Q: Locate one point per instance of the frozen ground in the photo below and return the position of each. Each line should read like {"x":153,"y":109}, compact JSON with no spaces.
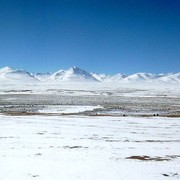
{"x":90,"y":105}
{"x":86,"y":148}
{"x":116,"y":98}
{"x":67,"y":109}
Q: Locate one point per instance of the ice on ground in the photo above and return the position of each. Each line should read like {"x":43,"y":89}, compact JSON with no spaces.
{"x":68,"y":109}
{"x":86,"y":148}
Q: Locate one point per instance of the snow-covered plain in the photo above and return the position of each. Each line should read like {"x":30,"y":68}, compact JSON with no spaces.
{"x":86,"y":148}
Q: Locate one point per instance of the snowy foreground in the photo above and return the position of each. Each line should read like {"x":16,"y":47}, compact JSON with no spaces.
{"x":87,"y":148}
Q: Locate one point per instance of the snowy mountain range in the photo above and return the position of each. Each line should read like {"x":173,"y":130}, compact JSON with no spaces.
{"x":75,"y":74}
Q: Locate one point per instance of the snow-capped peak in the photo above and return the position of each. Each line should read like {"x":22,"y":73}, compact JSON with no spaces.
{"x":6,"y":69}
{"x":11,"y":74}
{"x":73,"y":74}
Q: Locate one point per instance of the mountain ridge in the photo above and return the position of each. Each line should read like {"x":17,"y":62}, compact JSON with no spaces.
{"x":76,"y":74}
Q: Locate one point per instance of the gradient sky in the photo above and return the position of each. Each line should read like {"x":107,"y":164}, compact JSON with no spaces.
{"x":107,"y":36}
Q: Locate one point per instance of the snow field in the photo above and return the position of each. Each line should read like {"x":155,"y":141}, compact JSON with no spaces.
{"x":70,"y":148}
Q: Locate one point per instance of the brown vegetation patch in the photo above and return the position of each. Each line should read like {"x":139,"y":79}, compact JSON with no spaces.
{"x":89,"y":113}
{"x":148,"y":158}
{"x":28,"y":114}
{"x":157,"y":141}
{"x":171,"y":175}
{"x":74,"y":147}
{"x":9,"y":137}
{"x":173,"y":156}
{"x":112,"y":140}
{"x":35,"y":176}
{"x":41,"y":132}
{"x":173,"y":115}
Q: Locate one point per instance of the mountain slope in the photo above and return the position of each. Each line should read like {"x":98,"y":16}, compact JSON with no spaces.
{"x":9,"y":74}
{"x":171,"y":78}
{"x":139,"y":77}
{"x":41,"y":76}
{"x":109,"y":78}
{"x":72,"y":74}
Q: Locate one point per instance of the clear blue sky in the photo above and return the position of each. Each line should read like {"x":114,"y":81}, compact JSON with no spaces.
{"x":108,"y":36}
